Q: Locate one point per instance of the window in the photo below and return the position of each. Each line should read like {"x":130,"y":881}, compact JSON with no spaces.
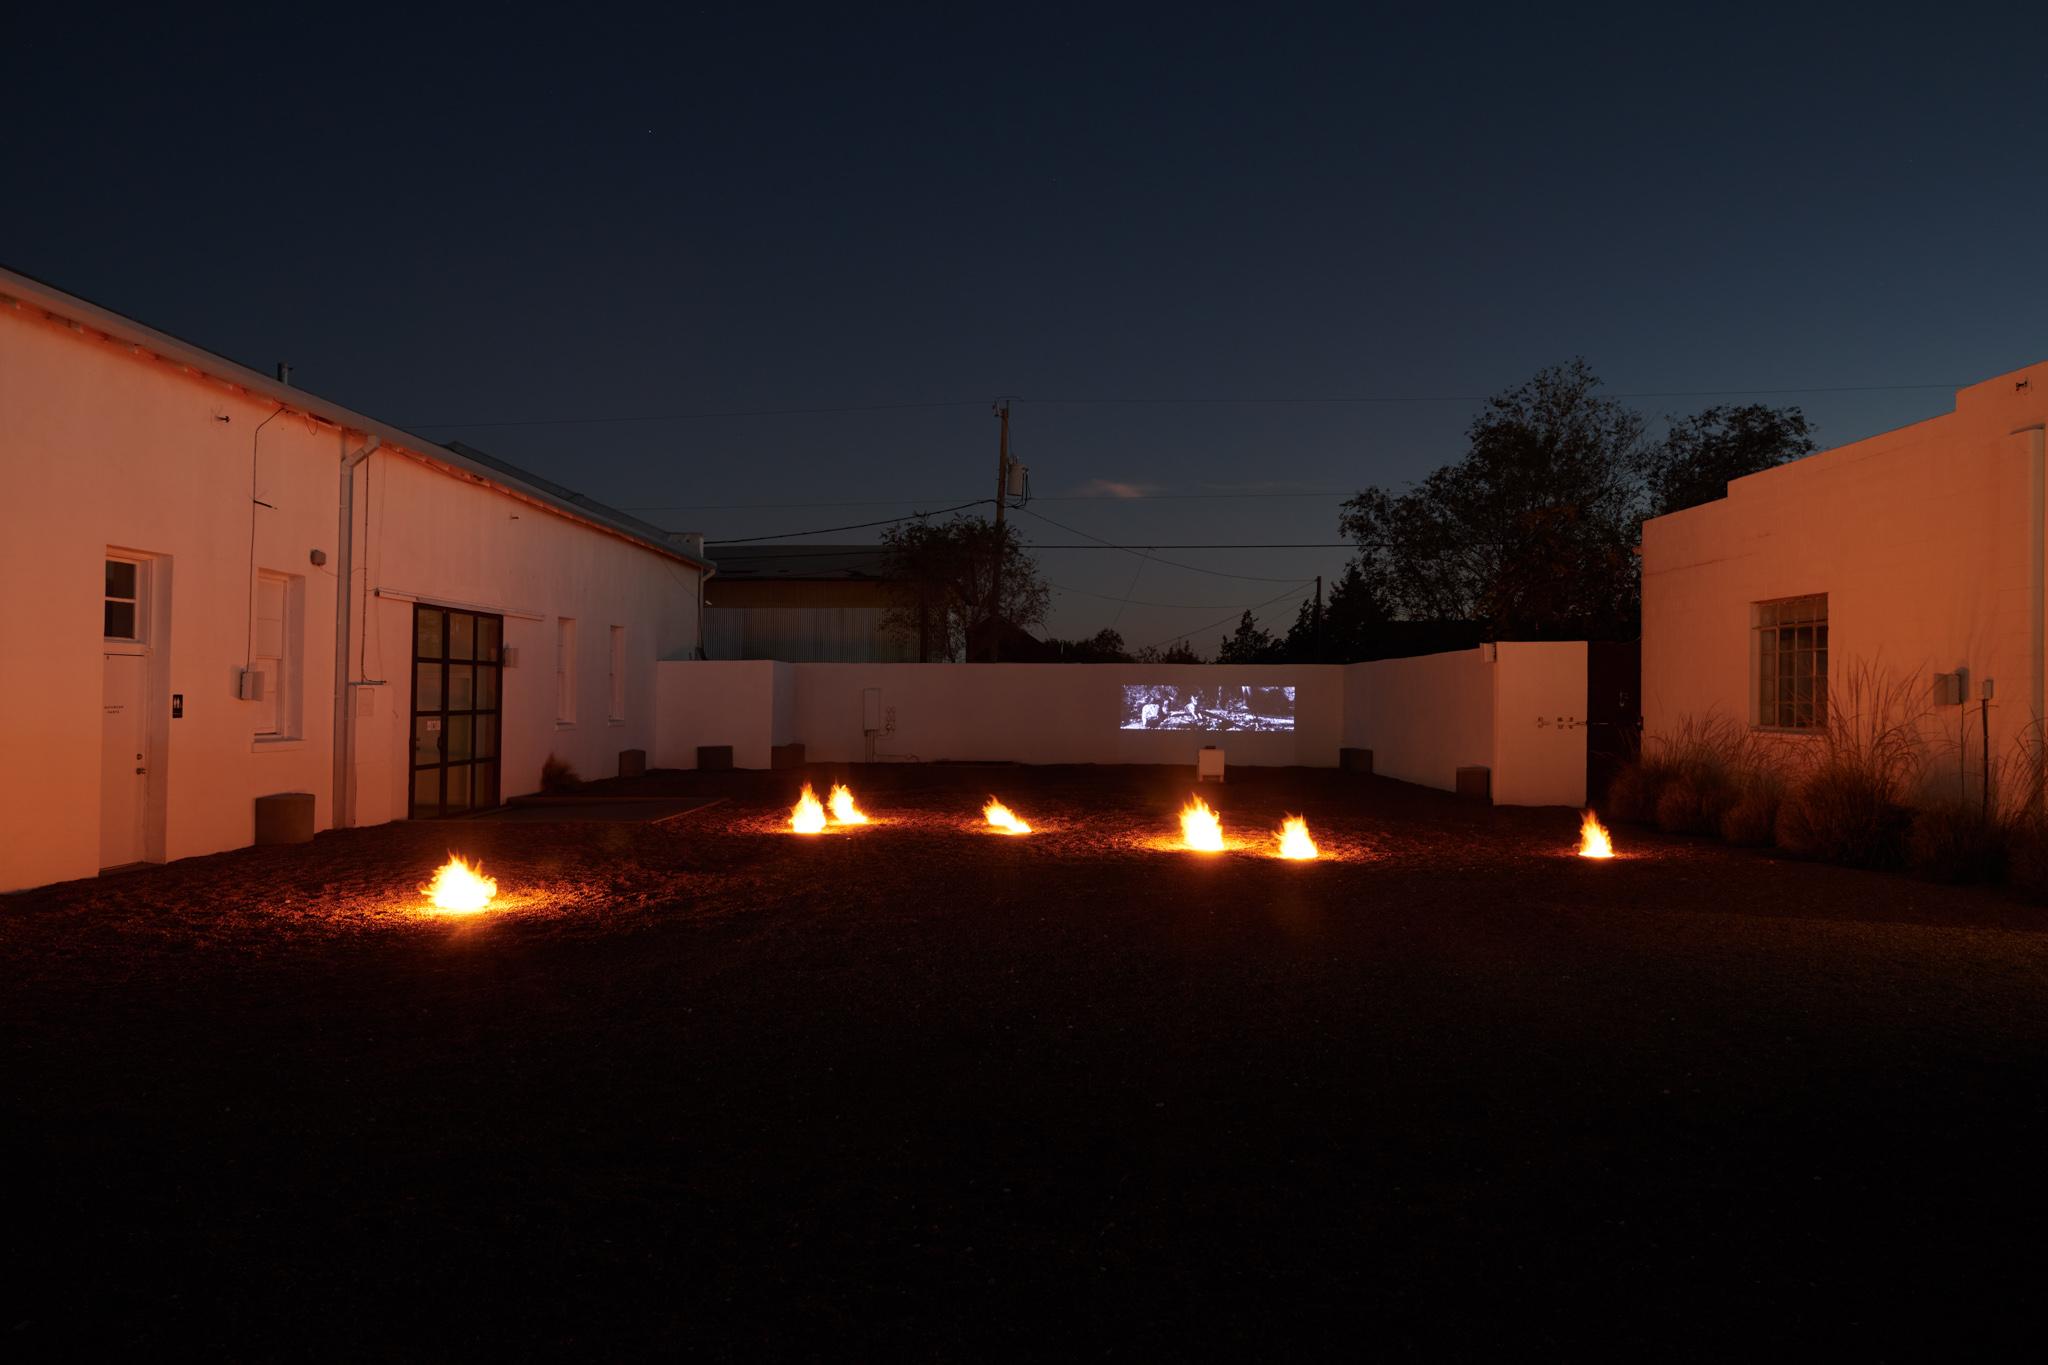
{"x":274,"y":655}
{"x":618,"y":672}
{"x":565,"y":671}
{"x":122,"y":610}
{"x":1791,"y":662}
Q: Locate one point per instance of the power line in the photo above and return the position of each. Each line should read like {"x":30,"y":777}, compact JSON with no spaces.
{"x":1207,"y":400}
{"x":1140,"y":602}
{"x":1226,"y":620}
{"x":852,"y":526}
{"x":1036,"y":497}
{"x":610,"y":418}
{"x":1194,"y":568}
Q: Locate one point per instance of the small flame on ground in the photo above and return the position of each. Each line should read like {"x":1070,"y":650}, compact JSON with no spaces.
{"x":1003,"y":818}
{"x":809,"y":816}
{"x":460,"y":888}
{"x":844,"y":811}
{"x":1593,"y":840}
{"x":1294,"y":839}
{"x":1199,"y":828}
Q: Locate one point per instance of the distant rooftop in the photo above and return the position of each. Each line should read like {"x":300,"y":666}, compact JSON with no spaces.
{"x":807,"y":562}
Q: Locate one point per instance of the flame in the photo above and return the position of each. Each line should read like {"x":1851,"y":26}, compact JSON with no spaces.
{"x":809,"y":816}
{"x":1294,"y":840}
{"x":1593,"y":840}
{"x":1003,"y":818}
{"x":1199,"y":827}
{"x":460,"y":888}
{"x":843,"y":809}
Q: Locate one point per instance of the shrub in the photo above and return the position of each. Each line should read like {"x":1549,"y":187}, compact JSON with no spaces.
{"x":1633,"y":792}
{"x":1752,"y":820}
{"x":556,"y":775}
{"x":1845,"y":813}
{"x":2026,"y":858}
{"x":1693,"y":800}
{"x":1952,"y":841}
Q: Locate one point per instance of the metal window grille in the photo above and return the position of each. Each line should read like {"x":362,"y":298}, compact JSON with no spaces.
{"x":1792,"y":663}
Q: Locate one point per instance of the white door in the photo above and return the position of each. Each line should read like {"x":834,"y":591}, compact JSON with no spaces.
{"x":124,"y":777}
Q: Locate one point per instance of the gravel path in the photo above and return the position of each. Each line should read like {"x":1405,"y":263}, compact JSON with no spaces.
{"x":923,"y":1090}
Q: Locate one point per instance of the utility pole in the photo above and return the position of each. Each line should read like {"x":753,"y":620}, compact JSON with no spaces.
{"x":1319,"y":618}
{"x":995,"y":577}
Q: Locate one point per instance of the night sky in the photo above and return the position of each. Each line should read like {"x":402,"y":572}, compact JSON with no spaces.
{"x":481,"y":230}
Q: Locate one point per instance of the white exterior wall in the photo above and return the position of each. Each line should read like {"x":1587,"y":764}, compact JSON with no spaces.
{"x":100,"y":448}
{"x":1922,"y":539}
{"x":1424,"y":717}
{"x":106,"y":446}
{"x":450,"y":541}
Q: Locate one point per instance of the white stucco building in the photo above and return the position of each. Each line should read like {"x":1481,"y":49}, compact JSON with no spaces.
{"x":1918,"y":553}
{"x":292,"y":597}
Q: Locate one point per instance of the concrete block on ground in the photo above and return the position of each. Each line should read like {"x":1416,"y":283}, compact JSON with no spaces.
{"x":1475,"y":784}
{"x":714,"y":757}
{"x":1355,"y":761}
{"x":632,"y":763}
{"x":284,"y":818}
{"x":786,"y":756}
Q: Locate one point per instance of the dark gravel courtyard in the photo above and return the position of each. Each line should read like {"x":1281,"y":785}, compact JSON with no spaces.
{"x":918,"y":1090}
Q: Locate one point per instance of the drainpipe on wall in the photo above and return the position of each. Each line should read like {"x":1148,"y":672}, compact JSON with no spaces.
{"x":344,"y":690}
{"x":2037,"y":599}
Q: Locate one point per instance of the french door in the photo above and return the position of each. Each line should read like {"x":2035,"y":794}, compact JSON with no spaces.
{"x":456,"y":702}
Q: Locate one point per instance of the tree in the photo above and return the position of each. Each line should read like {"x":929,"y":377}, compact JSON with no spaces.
{"x":1249,"y":644}
{"x":1105,"y":646}
{"x":1700,"y":455}
{"x":1175,"y":653}
{"x":1532,"y":532}
{"x":1353,"y":625}
{"x":941,"y":572}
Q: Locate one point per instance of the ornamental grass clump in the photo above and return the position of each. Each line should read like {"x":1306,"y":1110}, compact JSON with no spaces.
{"x":1848,"y":802}
{"x":1953,"y":841}
{"x":1701,"y":761}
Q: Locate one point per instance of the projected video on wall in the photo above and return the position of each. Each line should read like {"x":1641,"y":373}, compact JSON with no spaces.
{"x":1229,"y":706}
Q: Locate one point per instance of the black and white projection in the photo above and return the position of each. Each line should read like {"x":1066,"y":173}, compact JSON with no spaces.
{"x":1216,"y":706}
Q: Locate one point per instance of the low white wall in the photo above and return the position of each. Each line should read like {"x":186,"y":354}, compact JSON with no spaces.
{"x":738,"y":702}
{"x":1424,"y":718}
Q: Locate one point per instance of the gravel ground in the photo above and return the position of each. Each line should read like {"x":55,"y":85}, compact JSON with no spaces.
{"x":919,"y":1090}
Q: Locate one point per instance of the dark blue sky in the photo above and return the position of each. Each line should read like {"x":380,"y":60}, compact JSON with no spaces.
{"x":461,"y":224}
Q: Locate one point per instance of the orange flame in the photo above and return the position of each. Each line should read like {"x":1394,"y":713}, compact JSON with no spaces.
{"x":460,"y":888}
{"x":843,"y":810}
{"x":1003,"y":818}
{"x":1199,"y":828}
{"x":1593,"y":840}
{"x":809,"y":816}
{"x":1294,"y":839}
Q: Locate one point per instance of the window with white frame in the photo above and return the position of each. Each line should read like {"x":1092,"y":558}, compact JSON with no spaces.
{"x":274,"y":655}
{"x":565,"y":671}
{"x":1791,"y":644}
{"x":121,"y":613}
{"x":618,"y":661}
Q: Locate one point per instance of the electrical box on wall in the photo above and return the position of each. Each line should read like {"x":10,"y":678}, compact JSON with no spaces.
{"x":249,"y":685}
{"x":1950,"y":689}
{"x":871,"y":710}
{"x":508,"y":656}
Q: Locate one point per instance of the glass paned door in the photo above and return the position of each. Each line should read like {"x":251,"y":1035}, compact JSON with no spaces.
{"x":455,"y":700}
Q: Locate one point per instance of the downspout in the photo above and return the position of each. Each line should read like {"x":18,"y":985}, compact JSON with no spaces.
{"x":2037,"y":602}
{"x":344,"y":690}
